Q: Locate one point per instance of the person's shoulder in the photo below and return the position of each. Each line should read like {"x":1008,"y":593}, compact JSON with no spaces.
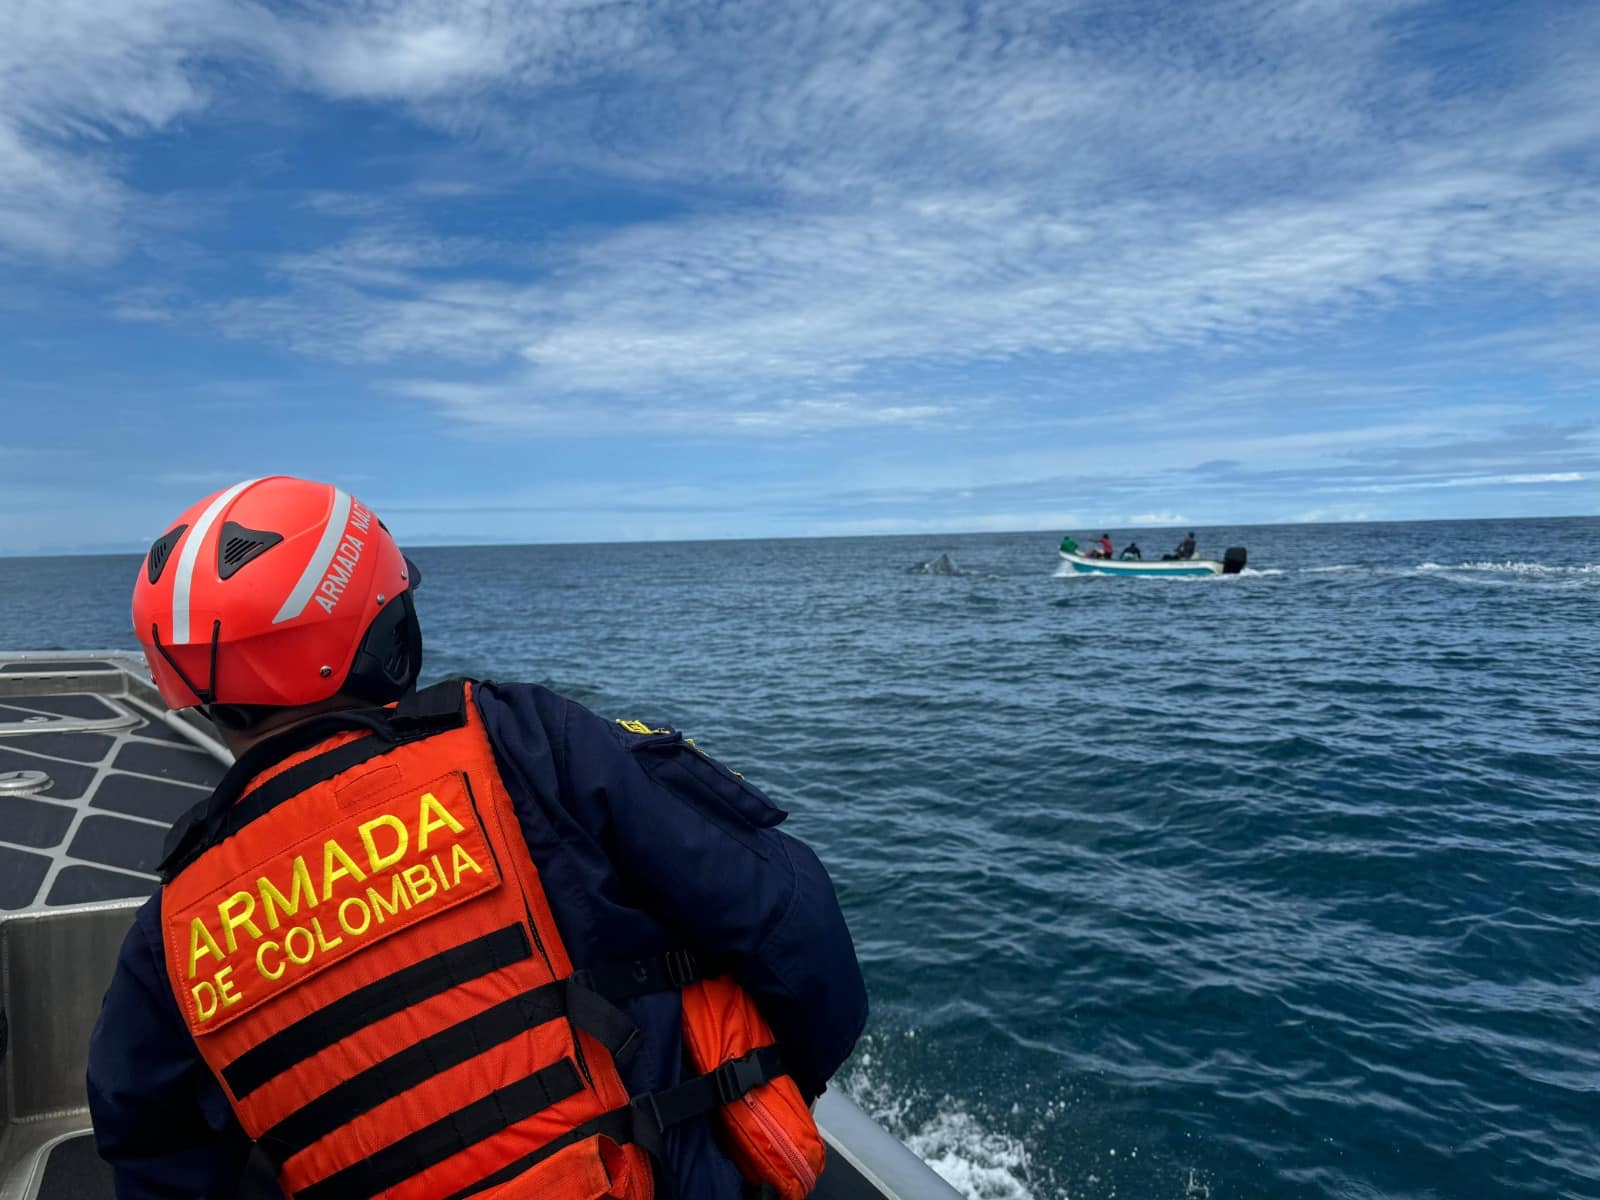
{"x":518,"y":695}
{"x":558,"y":713}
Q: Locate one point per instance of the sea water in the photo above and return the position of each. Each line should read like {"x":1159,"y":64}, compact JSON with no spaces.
{"x":1283,"y":885}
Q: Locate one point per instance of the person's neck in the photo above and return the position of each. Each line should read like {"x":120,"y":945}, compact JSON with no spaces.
{"x":241,"y":740}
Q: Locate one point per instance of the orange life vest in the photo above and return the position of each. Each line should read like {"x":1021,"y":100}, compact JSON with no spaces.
{"x":361,"y":946}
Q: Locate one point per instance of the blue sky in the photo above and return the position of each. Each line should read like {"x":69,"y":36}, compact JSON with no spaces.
{"x":573,"y":270}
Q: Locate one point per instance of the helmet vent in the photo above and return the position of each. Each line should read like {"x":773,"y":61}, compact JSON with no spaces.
{"x":156,"y":560}
{"x":238,"y":546}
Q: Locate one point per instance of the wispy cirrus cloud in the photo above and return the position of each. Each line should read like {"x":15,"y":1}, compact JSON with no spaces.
{"x":1035,"y":181}
{"x":1333,"y":243}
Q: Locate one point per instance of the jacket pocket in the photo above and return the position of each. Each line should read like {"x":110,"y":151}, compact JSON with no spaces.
{"x":737,"y":807}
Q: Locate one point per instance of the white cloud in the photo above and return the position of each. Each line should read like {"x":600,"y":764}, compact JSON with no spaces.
{"x":76,"y":76}
{"x":872,"y":186}
{"x":1467,"y":481}
{"x":967,"y":190}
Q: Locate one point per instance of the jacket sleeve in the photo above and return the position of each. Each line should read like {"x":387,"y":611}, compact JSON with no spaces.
{"x":160,"y":1119}
{"x":699,"y":849}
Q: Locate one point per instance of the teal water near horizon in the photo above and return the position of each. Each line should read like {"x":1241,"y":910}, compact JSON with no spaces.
{"x":1277,"y":886}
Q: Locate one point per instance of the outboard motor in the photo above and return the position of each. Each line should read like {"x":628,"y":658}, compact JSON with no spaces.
{"x":1233,"y":560}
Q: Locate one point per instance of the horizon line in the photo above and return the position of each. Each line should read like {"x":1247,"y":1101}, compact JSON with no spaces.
{"x":839,"y":537}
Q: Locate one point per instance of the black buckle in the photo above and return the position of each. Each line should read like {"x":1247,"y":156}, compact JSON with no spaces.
{"x":738,"y":1076}
{"x":682,"y":969}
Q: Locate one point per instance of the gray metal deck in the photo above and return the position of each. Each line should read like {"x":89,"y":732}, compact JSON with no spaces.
{"x":93,"y":770}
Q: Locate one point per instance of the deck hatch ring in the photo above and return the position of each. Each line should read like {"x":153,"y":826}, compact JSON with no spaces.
{"x":23,"y":783}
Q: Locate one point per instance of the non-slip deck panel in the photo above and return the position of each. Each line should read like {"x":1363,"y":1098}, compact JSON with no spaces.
{"x":189,"y":766}
{"x":46,"y":666}
{"x":74,"y":1171}
{"x":90,"y":885}
{"x":78,"y":747}
{"x":162,"y":732}
{"x":80,"y":707}
{"x":95,"y":830}
{"x":26,"y":821}
{"x":152,"y":799}
{"x":131,"y":845}
{"x":21,"y":874}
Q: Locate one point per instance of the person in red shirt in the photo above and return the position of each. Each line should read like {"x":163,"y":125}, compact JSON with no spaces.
{"x":1105,"y":545}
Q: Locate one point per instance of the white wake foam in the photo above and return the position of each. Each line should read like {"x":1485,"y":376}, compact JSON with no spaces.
{"x":1516,"y":568}
{"x":980,"y":1163}
{"x":977,"y":1162}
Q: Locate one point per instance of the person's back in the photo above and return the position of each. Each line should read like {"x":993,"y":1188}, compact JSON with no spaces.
{"x":1186,"y":547}
{"x":466,"y":938}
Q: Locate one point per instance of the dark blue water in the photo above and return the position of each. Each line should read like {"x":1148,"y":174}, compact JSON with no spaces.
{"x":1283,"y":886}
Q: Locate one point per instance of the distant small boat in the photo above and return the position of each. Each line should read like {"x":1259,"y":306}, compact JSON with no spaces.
{"x":1232,"y":563}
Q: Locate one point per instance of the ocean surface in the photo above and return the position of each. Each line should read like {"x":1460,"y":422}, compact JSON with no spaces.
{"x":1284,"y":885}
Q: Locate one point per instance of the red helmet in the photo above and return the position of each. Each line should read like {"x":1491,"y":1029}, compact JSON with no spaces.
{"x":278,"y":592}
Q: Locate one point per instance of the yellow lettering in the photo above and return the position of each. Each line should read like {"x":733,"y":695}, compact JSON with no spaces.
{"x":230,"y":921}
{"x":201,"y":942}
{"x":297,"y":958}
{"x":398,"y":898}
{"x":205,"y":999}
{"x":439,"y":871}
{"x":366,"y":916}
{"x":460,"y":858}
{"x":380,"y":861}
{"x":420,"y":880}
{"x":261,"y":961}
{"x":322,"y":939}
{"x":427,"y":824}
{"x":225,"y":988}
{"x":331,"y":850}
{"x":299,"y":883}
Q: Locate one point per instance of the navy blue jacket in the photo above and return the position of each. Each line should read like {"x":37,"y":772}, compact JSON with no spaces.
{"x":642,"y":845}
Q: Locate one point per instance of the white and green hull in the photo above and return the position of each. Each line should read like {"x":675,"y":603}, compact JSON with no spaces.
{"x":1162,"y":568}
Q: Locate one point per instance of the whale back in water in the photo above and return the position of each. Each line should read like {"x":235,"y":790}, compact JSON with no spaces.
{"x":941,"y":566}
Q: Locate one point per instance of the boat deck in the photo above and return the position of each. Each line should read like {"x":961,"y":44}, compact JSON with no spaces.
{"x":93,"y":771}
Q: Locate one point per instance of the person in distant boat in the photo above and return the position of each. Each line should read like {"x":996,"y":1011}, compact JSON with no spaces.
{"x":1185,"y":548}
{"x":1069,"y":544}
{"x":446,"y":942}
{"x":1131,"y":550}
{"x":1105,"y":546}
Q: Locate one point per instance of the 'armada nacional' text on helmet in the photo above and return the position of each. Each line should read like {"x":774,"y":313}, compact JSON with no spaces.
{"x":277,"y":592}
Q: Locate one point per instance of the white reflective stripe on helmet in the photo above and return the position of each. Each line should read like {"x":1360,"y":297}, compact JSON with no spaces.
{"x":321,"y":559}
{"x":191,"y":553}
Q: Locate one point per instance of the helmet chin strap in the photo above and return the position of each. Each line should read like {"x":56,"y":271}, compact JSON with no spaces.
{"x":206,"y":696}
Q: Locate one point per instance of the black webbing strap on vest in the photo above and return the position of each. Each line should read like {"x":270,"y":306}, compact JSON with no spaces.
{"x":669,"y":972}
{"x":433,"y":1143}
{"x":704,"y":1093}
{"x":645,"y":1121}
{"x":222,"y":814}
{"x":418,"y":1063}
{"x":372,"y":1003}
